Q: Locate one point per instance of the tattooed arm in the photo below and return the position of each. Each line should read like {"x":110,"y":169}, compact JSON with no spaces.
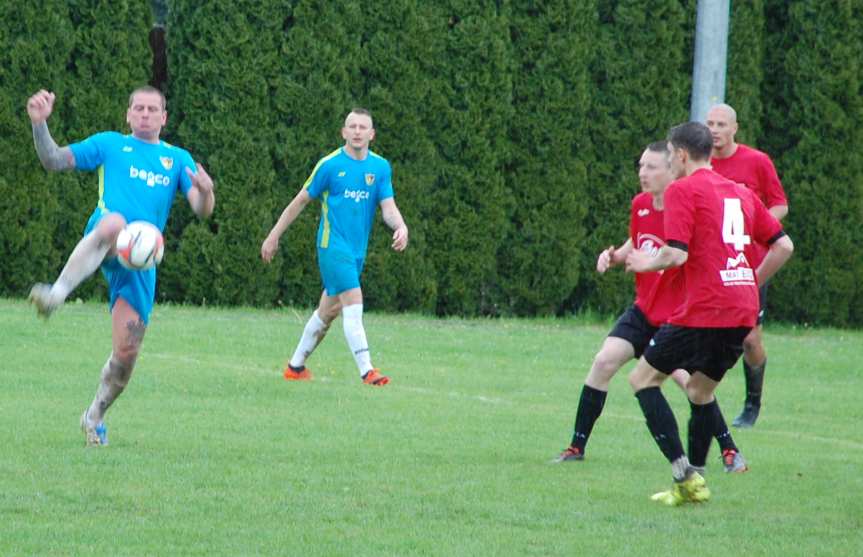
{"x":39,"y":107}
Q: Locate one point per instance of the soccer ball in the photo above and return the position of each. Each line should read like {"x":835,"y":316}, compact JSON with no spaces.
{"x":140,"y":246}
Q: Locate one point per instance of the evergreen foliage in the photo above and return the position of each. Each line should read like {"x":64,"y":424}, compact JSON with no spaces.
{"x":91,"y":55}
{"x":513,"y":129}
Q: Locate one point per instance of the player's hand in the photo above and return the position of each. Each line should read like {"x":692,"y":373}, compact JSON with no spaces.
{"x":201,"y":179}
{"x":400,"y":238}
{"x":40,"y":106}
{"x":638,"y":261}
{"x":269,"y":248}
{"x":603,"y":262}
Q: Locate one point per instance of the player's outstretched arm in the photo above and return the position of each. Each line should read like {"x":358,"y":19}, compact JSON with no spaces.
{"x":610,"y":257}
{"x":201,"y":196}
{"x":641,"y":262}
{"x":393,"y":218}
{"x":52,"y":157}
{"x":289,"y":215}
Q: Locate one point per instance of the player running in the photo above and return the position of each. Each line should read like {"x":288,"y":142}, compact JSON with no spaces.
{"x":656,"y":296}
{"x":711,"y":224}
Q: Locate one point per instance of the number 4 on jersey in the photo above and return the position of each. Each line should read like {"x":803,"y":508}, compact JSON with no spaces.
{"x":733,"y":225}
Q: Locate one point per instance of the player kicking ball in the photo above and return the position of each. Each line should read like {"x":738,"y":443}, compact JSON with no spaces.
{"x":139,"y":176}
{"x":351,"y":182}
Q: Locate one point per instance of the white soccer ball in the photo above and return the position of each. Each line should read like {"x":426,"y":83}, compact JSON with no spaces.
{"x":140,"y":246}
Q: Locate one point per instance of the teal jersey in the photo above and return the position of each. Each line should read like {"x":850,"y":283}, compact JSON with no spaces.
{"x":350,"y":192}
{"x":136,"y":179}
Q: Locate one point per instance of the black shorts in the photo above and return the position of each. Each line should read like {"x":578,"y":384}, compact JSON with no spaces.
{"x":633,"y":327}
{"x":710,"y":351}
{"x":762,"y":303}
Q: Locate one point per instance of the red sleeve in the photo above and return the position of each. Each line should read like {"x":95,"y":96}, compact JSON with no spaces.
{"x":679,"y":214}
{"x":632,"y":232}
{"x":765,"y":226}
{"x":774,"y":194}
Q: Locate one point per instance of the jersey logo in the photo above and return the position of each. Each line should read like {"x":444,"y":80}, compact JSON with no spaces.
{"x":737,"y":272}
{"x":167,"y":162}
{"x":643,"y":212}
{"x":649,"y":244}
{"x":127,"y":149}
{"x":734,"y":262}
{"x":370,"y":179}
{"x":342,"y":174}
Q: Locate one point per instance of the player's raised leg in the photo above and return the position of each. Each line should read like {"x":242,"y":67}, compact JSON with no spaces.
{"x":127,"y":331}
{"x":83,"y":262}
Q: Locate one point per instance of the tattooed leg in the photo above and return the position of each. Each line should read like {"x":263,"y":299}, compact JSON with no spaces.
{"x":128,"y":333}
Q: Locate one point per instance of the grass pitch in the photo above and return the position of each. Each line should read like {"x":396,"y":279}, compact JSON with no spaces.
{"x":213,"y":453}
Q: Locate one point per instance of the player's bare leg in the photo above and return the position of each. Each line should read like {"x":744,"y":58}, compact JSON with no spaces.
{"x":127,"y":331}
{"x":83,"y":262}
{"x":754,"y":364}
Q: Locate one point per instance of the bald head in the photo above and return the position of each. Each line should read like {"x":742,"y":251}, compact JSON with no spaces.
{"x":722,"y":121}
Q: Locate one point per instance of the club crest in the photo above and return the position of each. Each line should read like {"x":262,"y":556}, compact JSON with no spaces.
{"x":370,"y":179}
{"x":167,"y":162}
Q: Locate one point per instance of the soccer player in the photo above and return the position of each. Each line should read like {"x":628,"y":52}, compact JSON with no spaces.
{"x":754,"y":169}
{"x":139,"y":175}
{"x":656,"y":296}
{"x":350,"y":183}
{"x":710,"y":224}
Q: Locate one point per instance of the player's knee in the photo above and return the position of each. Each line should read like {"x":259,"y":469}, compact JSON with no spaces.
{"x":110,"y":226}
{"x":604,"y":365}
{"x":126,"y":356}
{"x":752,"y":343}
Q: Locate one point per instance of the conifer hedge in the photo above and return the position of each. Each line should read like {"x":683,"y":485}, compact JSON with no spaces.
{"x":513,"y":129}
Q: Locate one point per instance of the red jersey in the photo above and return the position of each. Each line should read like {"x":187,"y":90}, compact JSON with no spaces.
{"x":657,"y":295}
{"x":755,"y":170}
{"x":717,"y":221}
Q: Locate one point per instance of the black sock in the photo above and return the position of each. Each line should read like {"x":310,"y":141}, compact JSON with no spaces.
{"x":754,"y":382}
{"x":723,"y":436}
{"x":589,"y":408}
{"x":702,"y":425}
{"x":661,"y":422}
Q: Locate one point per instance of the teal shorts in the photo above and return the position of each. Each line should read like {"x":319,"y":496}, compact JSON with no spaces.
{"x":138,"y":288}
{"x":340,"y":270}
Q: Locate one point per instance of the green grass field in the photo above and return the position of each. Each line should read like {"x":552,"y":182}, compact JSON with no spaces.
{"x":213,"y":453}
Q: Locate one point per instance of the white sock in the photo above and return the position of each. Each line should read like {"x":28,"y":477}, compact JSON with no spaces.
{"x":83,"y":262}
{"x":356,"y":336}
{"x":115,"y":377}
{"x":679,"y":468}
{"x":313,"y":334}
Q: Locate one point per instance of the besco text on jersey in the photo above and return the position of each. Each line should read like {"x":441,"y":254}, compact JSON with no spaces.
{"x":149,"y":177}
{"x":356,"y":195}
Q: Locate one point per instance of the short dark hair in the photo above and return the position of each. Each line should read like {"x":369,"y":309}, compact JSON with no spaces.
{"x":694,"y":138}
{"x":148,"y":89}
{"x":658,"y":147}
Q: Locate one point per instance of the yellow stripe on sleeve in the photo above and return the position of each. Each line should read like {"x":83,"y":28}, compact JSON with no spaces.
{"x":325,"y":211}
{"x":317,"y":166}
{"x":101,"y":204}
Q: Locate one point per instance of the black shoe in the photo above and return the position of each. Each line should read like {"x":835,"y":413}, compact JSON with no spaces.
{"x":748,"y":416}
